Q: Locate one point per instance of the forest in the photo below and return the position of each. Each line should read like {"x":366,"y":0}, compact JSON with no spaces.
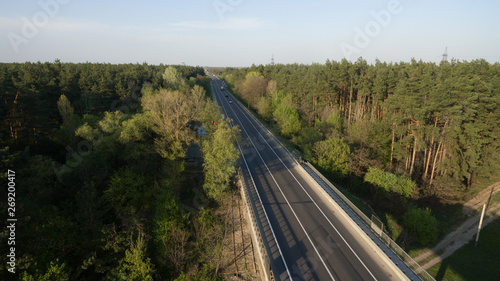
{"x":405,"y":137}
{"x":104,"y":187}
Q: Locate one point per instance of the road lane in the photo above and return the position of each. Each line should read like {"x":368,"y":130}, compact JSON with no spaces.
{"x":316,"y":243}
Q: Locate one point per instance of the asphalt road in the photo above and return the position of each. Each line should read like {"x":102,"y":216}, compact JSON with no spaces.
{"x":315,"y":239}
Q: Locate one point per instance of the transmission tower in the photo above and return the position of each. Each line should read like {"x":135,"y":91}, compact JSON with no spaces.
{"x":445,"y":55}
{"x":272,"y":59}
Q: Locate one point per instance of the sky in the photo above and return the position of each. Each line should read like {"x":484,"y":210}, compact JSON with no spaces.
{"x":240,"y":33}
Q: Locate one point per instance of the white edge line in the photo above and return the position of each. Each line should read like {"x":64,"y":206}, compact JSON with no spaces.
{"x":257,"y":191}
{"x":296,"y":217}
{"x":310,"y":198}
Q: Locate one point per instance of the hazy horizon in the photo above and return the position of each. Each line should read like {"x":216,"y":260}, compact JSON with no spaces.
{"x":238,"y":33}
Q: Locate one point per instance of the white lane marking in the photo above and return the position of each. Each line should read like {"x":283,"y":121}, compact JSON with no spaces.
{"x":263,"y":208}
{"x":296,"y":217}
{"x":279,"y":158}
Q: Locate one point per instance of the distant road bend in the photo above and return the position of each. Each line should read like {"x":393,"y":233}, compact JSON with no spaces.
{"x":316,"y":240}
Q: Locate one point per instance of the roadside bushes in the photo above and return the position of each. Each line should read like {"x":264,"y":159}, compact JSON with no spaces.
{"x":422,"y":224}
{"x":398,"y":184}
{"x":332,"y":155}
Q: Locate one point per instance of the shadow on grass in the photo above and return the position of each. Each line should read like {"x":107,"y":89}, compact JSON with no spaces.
{"x":442,"y":270}
{"x":471,"y":262}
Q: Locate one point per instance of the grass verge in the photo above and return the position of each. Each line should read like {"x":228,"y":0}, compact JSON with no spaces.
{"x":473,"y":263}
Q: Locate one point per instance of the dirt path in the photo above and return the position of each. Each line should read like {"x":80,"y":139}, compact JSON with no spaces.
{"x":476,"y":203}
{"x":465,"y":232}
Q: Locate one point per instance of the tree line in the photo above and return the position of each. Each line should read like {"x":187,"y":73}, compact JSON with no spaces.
{"x":104,"y":189}
{"x":431,"y":129}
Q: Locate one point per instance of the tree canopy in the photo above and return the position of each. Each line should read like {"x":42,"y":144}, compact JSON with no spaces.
{"x":220,"y":155}
{"x":393,"y":134}
{"x":99,"y":151}
{"x":435,"y":123}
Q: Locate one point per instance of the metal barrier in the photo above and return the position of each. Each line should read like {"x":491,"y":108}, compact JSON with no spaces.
{"x":295,"y":154}
{"x":257,"y":230}
{"x":376,"y":226}
{"x":252,"y":210}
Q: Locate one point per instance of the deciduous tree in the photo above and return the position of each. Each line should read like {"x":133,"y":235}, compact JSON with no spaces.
{"x":422,"y":224}
{"x":170,"y":112}
{"x":332,"y":155}
{"x":220,"y":155}
{"x":398,"y":184}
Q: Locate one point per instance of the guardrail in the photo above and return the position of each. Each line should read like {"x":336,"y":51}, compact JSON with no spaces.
{"x":265,"y":261}
{"x":257,"y":229}
{"x":375,"y":226}
{"x":294,"y":156}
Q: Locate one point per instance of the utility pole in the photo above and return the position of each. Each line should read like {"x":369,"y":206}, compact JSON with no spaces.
{"x":485,"y":207}
{"x":480,"y":223}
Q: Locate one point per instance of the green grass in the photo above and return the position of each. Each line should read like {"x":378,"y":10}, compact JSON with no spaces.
{"x":480,"y":185}
{"x":449,"y":216}
{"x":413,"y":252}
{"x":495,"y":198}
{"x":394,"y":228}
{"x":359,"y":203}
{"x":473,"y":263}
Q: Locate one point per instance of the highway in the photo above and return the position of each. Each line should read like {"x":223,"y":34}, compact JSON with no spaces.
{"x":316,"y":240}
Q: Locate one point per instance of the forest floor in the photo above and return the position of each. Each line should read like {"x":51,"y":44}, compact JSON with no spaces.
{"x":239,"y":255}
{"x":466,"y":231}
